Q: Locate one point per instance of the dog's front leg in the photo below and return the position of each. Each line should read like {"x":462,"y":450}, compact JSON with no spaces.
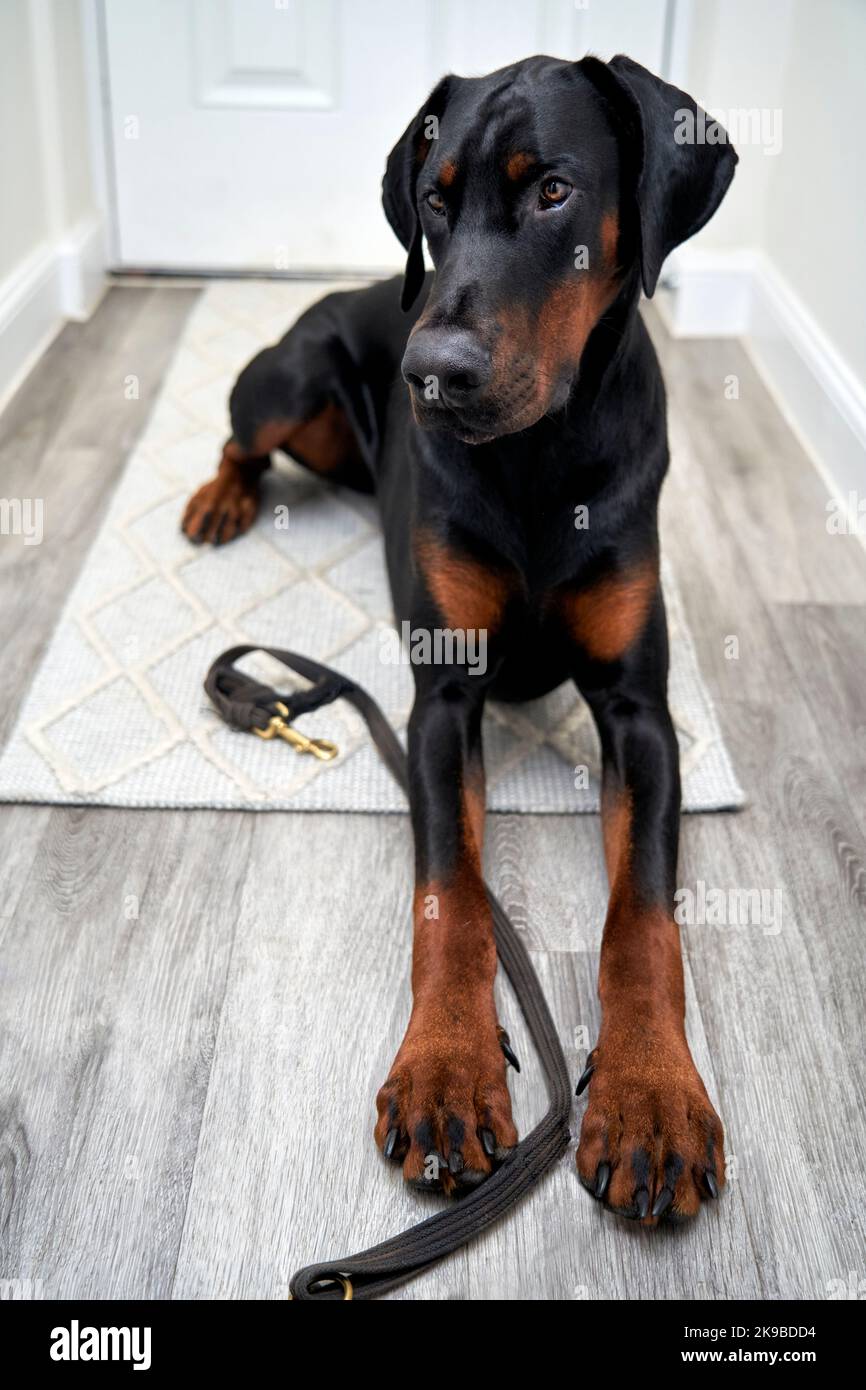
{"x":651,"y":1143}
{"x":445,"y":1111}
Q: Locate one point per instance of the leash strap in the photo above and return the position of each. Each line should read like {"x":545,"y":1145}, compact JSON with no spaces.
{"x":247,"y":704}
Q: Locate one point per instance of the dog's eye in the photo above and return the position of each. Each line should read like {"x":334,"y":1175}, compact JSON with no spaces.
{"x":436,"y":203}
{"x":554,"y":192}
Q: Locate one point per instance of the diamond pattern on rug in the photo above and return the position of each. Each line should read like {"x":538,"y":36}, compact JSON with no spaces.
{"x":117,"y":715}
{"x":136,"y":625}
{"x":75,"y":741}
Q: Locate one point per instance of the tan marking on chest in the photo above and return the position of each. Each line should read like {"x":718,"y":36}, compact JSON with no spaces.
{"x":467,"y":593}
{"x":607,"y":617}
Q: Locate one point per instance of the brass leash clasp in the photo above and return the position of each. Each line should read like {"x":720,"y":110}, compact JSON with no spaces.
{"x":279,"y":727}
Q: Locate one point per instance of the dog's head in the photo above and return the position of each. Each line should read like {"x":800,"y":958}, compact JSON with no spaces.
{"x":539,"y":189}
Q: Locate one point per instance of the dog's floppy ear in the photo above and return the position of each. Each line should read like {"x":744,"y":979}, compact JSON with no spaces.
{"x":683,"y":161}
{"x":401,"y":177}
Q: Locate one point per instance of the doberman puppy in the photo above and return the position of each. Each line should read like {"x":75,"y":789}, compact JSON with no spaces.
{"x":490,"y":406}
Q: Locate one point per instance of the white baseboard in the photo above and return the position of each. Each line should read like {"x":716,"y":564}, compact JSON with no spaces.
{"x":740,"y":294}
{"x":56,"y":282}
{"x":813,"y":385}
{"x":82,"y":257}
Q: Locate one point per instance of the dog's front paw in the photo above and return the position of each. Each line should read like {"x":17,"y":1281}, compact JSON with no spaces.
{"x":222,"y":509}
{"x":445,"y":1111}
{"x":651,"y":1144}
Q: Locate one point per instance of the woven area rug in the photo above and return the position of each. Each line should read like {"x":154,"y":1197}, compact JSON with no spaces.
{"x":116,"y":714}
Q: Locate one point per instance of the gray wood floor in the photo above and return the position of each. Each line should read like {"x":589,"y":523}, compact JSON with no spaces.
{"x":187,"y":1092}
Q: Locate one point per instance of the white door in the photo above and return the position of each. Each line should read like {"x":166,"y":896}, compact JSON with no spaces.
{"x":252,"y":134}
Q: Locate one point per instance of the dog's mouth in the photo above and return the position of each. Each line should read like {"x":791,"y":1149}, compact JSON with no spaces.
{"x":476,"y":427}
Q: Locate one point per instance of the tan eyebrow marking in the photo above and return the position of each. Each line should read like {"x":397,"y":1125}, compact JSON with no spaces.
{"x":447,"y":173}
{"x":518,"y":164}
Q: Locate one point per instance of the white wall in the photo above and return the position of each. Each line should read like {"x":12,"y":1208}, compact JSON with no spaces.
{"x":51,"y":230}
{"x":782,"y":261}
{"x":66,"y":21}
{"x":815,"y":214}
{"x":736,"y":58}
{"x":25,"y":217}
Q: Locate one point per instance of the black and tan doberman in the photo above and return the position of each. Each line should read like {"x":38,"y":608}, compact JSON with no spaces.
{"x":485,"y":404}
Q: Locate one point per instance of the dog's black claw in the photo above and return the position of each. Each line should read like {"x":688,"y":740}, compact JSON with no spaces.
{"x":510,"y":1054}
{"x":662,"y":1201}
{"x":712,"y":1185}
{"x":602,"y":1178}
{"x":585,"y":1079}
{"x":455,"y":1162}
{"x":488,"y":1142}
{"x":642,"y":1203}
{"x":390,"y":1143}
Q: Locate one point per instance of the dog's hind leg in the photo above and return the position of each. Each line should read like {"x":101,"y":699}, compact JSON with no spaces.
{"x":306,"y":397}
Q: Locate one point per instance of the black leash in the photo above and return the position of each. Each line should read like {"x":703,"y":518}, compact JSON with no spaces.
{"x":247,"y":704}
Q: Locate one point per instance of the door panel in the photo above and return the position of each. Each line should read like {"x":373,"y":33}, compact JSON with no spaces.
{"x":252,"y":134}
{"x":278,"y":58}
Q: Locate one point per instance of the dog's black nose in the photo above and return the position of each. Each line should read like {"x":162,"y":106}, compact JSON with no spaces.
{"x":445,"y":366}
